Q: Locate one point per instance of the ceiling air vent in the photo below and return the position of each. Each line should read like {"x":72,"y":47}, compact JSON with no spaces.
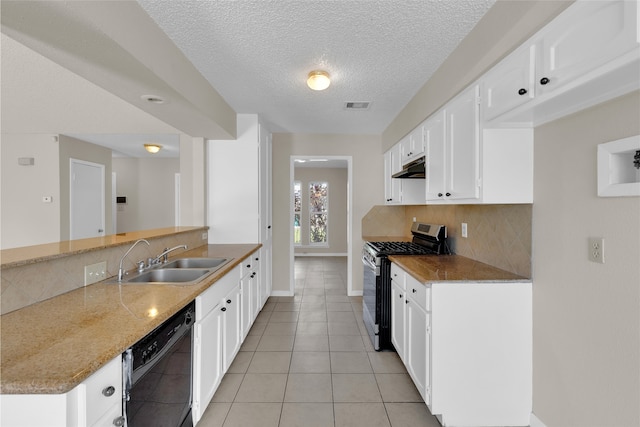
{"x":356,"y":105}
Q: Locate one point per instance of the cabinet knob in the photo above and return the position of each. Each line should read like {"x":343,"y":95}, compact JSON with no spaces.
{"x":248,"y":265}
{"x":448,"y":194}
{"x":439,"y":194}
{"x":400,"y":295}
{"x":544,"y":81}
{"x":118,"y":422}
{"x":257,"y":259}
{"x":414,"y":291}
{"x":228,"y":301}
{"x":406,"y":301}
{"x":108,"y":391}
{"x":223,"y":309}
{"x":269,"y":228}
{"x":522,"y":91}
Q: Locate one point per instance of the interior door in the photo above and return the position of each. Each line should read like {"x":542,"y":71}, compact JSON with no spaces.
{"x":87,"y":206}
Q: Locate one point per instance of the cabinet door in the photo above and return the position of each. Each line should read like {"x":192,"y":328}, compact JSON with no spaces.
{"x":391,"y":185}
{"x":463,"y":145}
{"x":398,"y":319}
{"x":207,"y":369}
{"x":588,"y":35}
{"x":246,"y":294}
{"x":510,"y":83}
{"x":232,"y":308}
{"x":254,"y":284}
{"x":417,"y":326}
{"x":434,"y":136}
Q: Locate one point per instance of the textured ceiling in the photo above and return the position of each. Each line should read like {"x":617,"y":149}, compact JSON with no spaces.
{"x":257,"y":54}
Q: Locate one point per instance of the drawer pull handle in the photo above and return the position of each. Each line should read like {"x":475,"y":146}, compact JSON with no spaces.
{"x":544,"y":81}
{"x":522,"y":91}
{"x":108,"y":391}
{"x":223,"y":309}
{"x":414,"y":291}
{"x":228,"y":301}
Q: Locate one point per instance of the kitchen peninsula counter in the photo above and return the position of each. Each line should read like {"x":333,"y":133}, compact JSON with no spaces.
{"x":452,"y":268}
{"x":52,"y":346}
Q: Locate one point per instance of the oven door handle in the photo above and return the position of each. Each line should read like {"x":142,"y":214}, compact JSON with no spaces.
{"x":371,"y":266}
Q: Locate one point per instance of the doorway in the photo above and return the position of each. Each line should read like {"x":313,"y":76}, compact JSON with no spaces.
{"x":87,"y":204}
{"x":344,"y":162}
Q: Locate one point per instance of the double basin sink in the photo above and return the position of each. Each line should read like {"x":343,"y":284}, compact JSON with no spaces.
{"x":183,"y":271}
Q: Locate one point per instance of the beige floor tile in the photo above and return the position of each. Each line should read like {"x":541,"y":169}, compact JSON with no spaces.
{"x":270,"y":362}
{"x":343,"y":328}
{"x":311,"y":343}
{"x":314,"y":284}
{"x":312,"y":328}
{"x":338,"y":298}
{"x":309,"y":388}
{"x":386,"y":362}
{"x":313,"y":306}
{"x":346,"y":343}
{"x":276,"y":343}
{"x":361,"y":415}
{"x":306,"y":415}
{"x":287,"y":306}
{"x":284,"y":316}
{"x":312,"y":291}
{"x":228,"y":388}
{"x":258,"y":328}
{"x":310,"y":299}
{"x":348,"y":362}
{"x":241,"y":362}
{"x":310,"y":362}
{"x":282,"y":328}
{"x":253,"y":415}
{"x":339,"y":306}
{"x":262,"y":388}
{"x":215,"y":415}
{"x":355,"y":388}
{"x":397,"y":388}
{"x":268,"y":306}
{"x":313,"y":316}
{"x":341,"y":317}
{"x":264,"y":316}
{"x":250,"y":343}
{"x":332,"y":291}
{"x":410,"y":415}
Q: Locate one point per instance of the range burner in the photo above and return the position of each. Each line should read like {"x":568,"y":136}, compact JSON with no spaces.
{"x":400,"y":248}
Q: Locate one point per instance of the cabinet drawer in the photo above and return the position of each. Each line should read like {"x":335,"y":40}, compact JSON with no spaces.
{"x":419,"y":293}
{"x":110,"y":418}
{"x":210,"y":298}
{"x":103,"y":390}
{"x":398,"y":275}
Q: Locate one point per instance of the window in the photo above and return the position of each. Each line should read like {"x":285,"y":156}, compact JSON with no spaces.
{"x":297,"y":211}
{"x":318,"y":213}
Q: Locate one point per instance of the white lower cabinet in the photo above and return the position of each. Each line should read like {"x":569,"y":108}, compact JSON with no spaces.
{"x":251,"y":291}
{"x":96,"y":402}
{"x":398,"y":318}
{"x":468,"y":349}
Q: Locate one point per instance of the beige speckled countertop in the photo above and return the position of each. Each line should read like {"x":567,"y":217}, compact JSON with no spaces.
{"x":440,"y":268}
{"x":52,"y":346}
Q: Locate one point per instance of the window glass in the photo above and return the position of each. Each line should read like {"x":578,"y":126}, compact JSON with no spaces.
{"x":318,"y":213}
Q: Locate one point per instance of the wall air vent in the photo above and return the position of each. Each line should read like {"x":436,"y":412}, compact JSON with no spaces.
{"x":357,"y":105}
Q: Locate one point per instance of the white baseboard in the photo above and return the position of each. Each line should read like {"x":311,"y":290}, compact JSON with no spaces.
{"x":281,"y":293}
{"x":295,"y":254}
{"x":535,"y":421}
{"x":355,"y":294}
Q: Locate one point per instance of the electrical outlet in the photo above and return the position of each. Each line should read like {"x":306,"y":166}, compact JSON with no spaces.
{"x":596,"y":249}
{"x":95,"y":272}
{"x":414,"y":219}
{"x":463,"y":229}
{"x":204,"y":236}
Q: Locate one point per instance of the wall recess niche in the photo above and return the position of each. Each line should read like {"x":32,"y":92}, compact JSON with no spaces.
{"x":619,"y":168}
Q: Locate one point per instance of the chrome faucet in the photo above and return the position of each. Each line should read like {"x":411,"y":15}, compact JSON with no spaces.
{"x":162,"y":258}
{"x":120,"y":269}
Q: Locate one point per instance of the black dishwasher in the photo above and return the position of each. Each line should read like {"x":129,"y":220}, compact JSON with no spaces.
{"x":157,"y":375}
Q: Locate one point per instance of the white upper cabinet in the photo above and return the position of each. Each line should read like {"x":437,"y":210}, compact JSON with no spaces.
{"x":589,"y":54}
{"x":434,"y":131}
{"x":391,"y":185}
{"x":463,"y":145}
{"x":412,"y":146}
{"x":510,"y":83}
{"x":584,"y":39}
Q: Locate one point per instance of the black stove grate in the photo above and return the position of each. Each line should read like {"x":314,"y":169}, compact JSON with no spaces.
{"x":400,"y":248}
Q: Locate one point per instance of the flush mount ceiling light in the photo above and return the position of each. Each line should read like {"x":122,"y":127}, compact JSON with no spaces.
{"x":318,"y":80}
{"x":152,"y":148}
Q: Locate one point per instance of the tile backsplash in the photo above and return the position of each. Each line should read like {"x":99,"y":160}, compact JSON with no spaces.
{"x":498,"y":235}
{"x":30,"y":283}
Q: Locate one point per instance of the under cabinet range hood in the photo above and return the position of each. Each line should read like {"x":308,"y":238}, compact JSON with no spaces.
{"x":412,"y":170}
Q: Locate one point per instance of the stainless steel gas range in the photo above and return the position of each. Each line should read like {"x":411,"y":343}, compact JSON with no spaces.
{"x":428,"y":239}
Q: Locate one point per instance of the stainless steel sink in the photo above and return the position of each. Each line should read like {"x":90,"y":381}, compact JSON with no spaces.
{"x":169,"y":275}
{"x":195,"y":263}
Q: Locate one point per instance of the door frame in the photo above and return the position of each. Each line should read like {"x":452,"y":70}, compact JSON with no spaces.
{"x":102,"y":168}
{"x":349,"y":160}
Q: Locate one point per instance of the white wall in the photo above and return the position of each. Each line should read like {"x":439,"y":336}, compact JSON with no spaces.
{"x":586,"y":349}
{"x":25,"y":220}
{"x":149,"y":186}
{"x":367,"y":172}
{"x":337,"y":179}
